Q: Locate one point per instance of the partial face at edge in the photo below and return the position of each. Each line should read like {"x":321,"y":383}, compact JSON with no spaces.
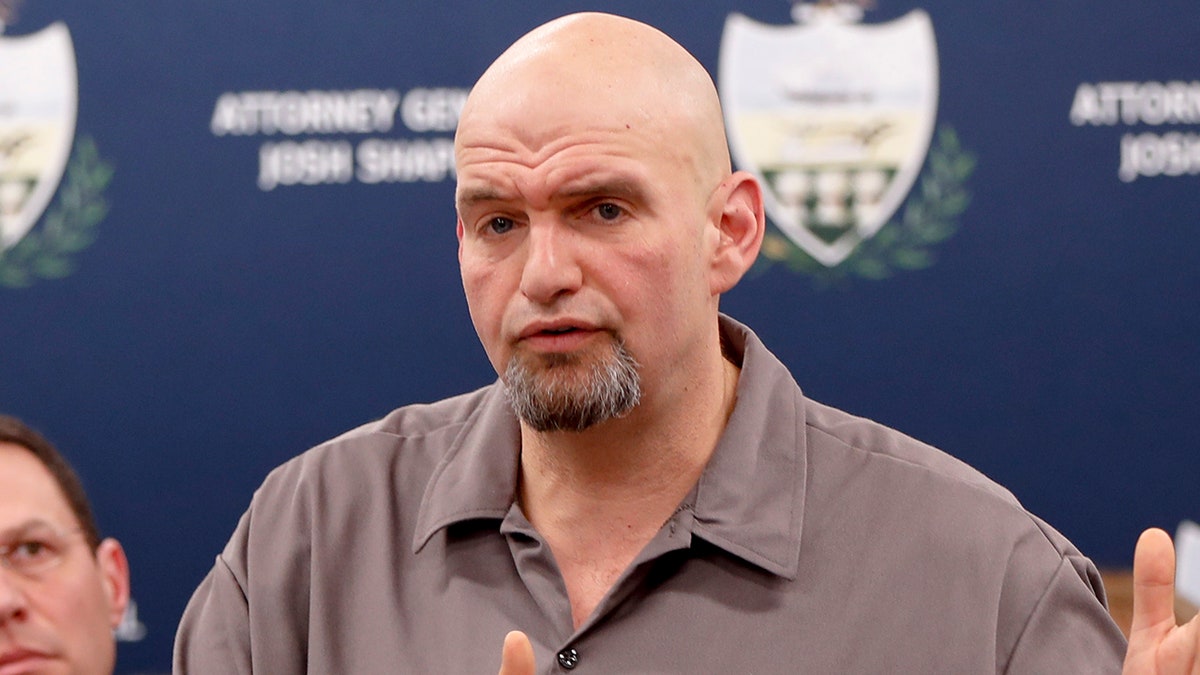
{"x":61,"y":619}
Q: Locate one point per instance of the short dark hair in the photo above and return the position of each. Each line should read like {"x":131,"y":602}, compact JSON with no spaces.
{"x":16,"y":432}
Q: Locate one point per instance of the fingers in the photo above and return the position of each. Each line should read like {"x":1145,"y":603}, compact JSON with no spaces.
{"x":1191,"y":632}
{"x":1153,"y":581}
{"x":516,"y":658}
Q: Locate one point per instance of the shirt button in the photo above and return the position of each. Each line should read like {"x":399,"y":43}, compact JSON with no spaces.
{"x":568,"y":658}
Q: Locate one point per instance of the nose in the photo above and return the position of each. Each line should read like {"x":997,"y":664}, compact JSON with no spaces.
{"x":12,"y":596}
{"x":551,"y":262}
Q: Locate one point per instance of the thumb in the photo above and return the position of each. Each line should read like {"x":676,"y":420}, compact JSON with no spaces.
{"x":516,"y":658}
{"x":1153,"y":582}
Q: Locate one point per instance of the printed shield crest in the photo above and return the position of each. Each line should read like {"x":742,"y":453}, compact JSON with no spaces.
{"x":833,"y":117}
{"x":38,"y":102}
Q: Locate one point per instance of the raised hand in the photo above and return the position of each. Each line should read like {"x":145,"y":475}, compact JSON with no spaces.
{"x":1157,"y":646}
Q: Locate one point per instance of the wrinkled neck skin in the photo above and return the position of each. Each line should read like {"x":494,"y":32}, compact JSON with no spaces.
{"x":631,"y":472}
{"x":599,"y":496}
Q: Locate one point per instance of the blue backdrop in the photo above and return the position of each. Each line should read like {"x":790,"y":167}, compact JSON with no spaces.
{"x":1048,"y":333}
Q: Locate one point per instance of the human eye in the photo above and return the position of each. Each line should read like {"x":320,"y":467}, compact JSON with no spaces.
{"x":29,"y":553}
{"x":608,"y":211}
{"x":500,"y":225}
{"x":31,"y":549}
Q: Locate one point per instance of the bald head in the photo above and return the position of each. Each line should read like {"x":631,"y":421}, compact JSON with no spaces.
{"x":617,"y":71}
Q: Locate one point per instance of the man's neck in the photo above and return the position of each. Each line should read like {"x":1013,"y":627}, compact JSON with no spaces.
{"x":599,"y":496}
{"x":657,"y":452}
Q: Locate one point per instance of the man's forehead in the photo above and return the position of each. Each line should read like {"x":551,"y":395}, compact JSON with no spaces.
{"x":535,"y":119}
{"x":576,"y":179}
{"x":566,"y":146}
{"x":32,"y":525}
{"x":28,"y":491}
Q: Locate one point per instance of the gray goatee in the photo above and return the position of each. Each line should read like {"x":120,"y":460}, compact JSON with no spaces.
{"x":569,"y":392}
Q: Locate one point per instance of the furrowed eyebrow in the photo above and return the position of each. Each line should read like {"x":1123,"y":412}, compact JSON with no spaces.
{"x":622,"y":189}
{"x":627,"y":190}
{"x":472,"y":196}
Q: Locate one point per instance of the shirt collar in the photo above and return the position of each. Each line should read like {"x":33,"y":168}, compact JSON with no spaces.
{"x":477,"y":478}
{"x":749,"y":500}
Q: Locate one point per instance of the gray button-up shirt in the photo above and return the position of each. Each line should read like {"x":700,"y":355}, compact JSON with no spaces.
{"x":814,"y":542}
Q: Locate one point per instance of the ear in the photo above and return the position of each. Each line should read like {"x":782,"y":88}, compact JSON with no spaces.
{"x":737,"y":210}
{"x":458,"y":232}
{"x":114,"y":574}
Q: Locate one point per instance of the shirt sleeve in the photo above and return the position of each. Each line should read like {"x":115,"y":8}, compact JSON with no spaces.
{"x":250,"y":613}
{"x":1069,"y":629}
{"x":214,"y":634}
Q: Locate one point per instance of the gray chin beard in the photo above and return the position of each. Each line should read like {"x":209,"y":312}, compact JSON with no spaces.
{"x":569,"y":392}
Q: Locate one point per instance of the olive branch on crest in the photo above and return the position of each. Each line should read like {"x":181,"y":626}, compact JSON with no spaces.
{"x":67,"y":227}
{"x":929,"y":218}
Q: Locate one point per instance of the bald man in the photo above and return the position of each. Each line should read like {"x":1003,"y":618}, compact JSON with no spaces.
{"x":645,"y":488}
